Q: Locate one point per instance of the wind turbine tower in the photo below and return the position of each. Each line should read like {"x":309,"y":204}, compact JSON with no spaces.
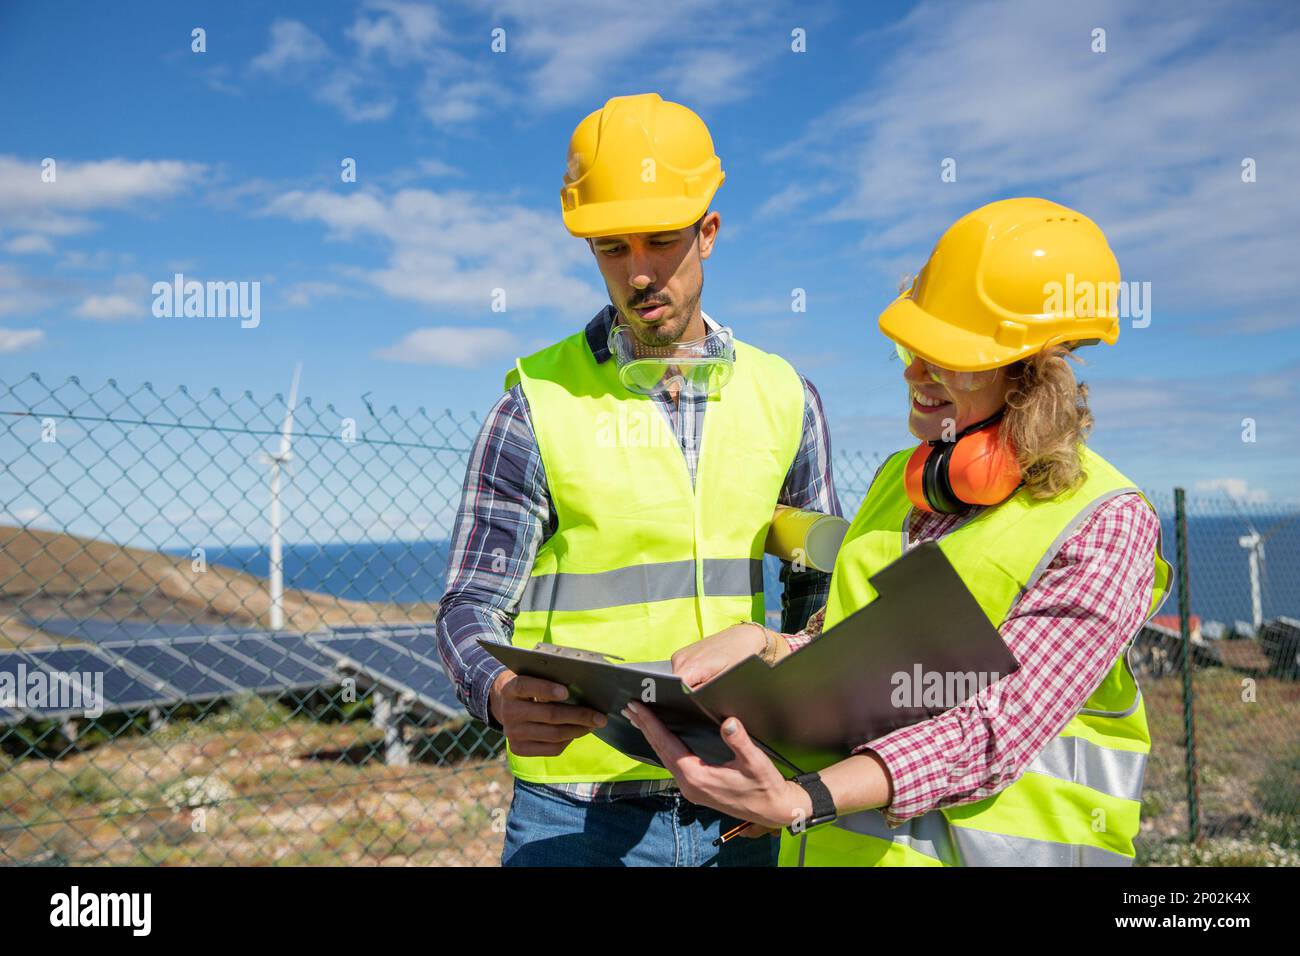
{"x":278,"y":462}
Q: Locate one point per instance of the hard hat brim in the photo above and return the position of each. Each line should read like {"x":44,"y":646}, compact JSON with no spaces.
{"x":629,"y":216}
{"x":943,"y":344}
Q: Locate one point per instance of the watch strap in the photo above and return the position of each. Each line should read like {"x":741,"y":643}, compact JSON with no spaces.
{"x":823,"y":804}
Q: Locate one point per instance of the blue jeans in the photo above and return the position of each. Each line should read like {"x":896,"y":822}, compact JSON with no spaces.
{"x":549,"y":828}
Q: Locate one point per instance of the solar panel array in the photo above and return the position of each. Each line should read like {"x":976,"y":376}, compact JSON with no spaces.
{"x":142,"y":673}
{"x":396,"y":664}
{"x":93,"y":631}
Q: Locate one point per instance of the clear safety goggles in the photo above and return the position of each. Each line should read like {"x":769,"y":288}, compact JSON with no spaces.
{"x":956,"y":381}
{"x":699,"y":367}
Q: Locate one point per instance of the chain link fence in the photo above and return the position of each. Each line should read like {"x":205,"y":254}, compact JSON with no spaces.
{"x":168,"y":701}
{"x":1220,"y":671}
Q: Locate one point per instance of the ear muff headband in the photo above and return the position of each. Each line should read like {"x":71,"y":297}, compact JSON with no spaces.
{"x":937,"y":487}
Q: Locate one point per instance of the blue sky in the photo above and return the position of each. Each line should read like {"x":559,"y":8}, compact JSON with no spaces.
{"x":225,"y":165}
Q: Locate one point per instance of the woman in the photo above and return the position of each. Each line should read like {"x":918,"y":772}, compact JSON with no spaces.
{"x":1045,"y":766}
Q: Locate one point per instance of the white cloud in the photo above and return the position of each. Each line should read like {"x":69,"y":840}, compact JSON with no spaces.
{"x":29,"y":244}
{"x":793,"y":198}
{"x":436,"y":167}
{"x":98,"y":260}
{"x":20,"y":292}
{"x":293,"y":43}
{"x":108,"y":308}
{"x":401,"y":32}
{"x":452,"y":346}
{"x":1146,"y":138}
{"x":128,"y":299}
{"x":355,"y":84}
{"x":300,"y":295}
{"x":717,"y":75}
{"x":447,"y":103}
{"x":453,"y":248}
{"x":85,"y":187}
{"x":19,"y":340}
{"x":695,"y":51}
{"x":430,"y":168}
{"x":30,"y":517}
{"x":344,"y":90}
{"x":699,"y":51}
{"x":1236,"y":488}
{"x":50,"y":223}
{"x":1175,"y":428}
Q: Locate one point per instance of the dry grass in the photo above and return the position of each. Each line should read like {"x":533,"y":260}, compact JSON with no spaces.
{"x":279,"y":787}
{"x":44,"y":573}
{"x":252,"y":788}
{"x":1248,"y":756}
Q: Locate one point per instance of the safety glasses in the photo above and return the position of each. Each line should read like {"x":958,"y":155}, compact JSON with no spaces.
{"x":699,"y":367}
{"x":957,"y":381}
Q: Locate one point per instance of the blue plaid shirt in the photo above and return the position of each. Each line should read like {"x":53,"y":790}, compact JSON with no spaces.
{"x":506,"y":514}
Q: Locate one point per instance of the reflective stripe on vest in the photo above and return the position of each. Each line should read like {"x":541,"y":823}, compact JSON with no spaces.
{"x":1072,"y":759}
{"x":1116,"y":772}
{"x":723,"y":577}
{"x":642,"y":561}
{"x":982,"y":848}
{"x":1090,"y":774}
{"x":927,"y":834}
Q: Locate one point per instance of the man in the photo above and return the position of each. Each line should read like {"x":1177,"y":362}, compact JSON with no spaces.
{"x":618,"y":496}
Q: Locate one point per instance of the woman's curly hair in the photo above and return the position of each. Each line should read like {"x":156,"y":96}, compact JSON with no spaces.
{"x":1046,"y":421}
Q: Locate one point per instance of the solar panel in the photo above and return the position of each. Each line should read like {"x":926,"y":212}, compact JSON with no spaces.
{"x":9,"y":661}
{"x":394,"y":665}
{"x":437,"y":686}
{"x":245,"y":674}
{"x":140,"y":672}
{"x":161,"y":659}
{"x":378,"y":630}
{"x":264,"y":663}
{"x":301,"y":647}
{"x":276,"y":656}
{"x":96,"y":631}
{"x":114,"y":686}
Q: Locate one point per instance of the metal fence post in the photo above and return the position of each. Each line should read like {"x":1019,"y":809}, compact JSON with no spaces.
{"x":1184,"y":626}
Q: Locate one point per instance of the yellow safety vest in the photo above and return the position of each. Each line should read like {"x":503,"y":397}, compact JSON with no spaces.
{"x":642,"y":563}
{"x":1078,"y":801}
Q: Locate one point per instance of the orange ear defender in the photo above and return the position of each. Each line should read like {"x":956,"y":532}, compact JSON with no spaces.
{"x":976,"y":468}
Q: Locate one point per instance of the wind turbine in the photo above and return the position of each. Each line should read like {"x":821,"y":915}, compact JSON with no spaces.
{"x":1254,"y":543}
{"x":277,"y":463}
{"x":1258,"y":572}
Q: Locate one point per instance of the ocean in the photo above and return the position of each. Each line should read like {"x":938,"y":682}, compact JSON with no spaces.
{"x":406,"y":571}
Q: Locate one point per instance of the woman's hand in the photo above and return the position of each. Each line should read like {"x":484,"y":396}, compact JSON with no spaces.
{"x":702,"y":661}
{"x":748,"y":787}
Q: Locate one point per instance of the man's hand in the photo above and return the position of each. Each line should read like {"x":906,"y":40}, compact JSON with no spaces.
{"x":535,"y":723}
{"x":705,"y":659}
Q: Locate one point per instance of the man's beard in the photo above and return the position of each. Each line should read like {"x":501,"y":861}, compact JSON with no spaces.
{"x":665,"y":333}
{"x":668,"y":332}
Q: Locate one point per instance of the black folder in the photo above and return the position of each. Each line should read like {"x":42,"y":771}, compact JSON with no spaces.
{"x":921,"y":647}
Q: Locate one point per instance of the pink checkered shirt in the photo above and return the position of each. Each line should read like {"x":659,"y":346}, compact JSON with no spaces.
{"x":1066,"y":631}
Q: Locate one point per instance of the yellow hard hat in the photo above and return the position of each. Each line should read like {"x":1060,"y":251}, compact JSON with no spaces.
{"x":640,"y":164}
{"x":1005,"y":282}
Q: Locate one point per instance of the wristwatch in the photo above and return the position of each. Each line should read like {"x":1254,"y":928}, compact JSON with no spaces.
{"x":823,"y":804}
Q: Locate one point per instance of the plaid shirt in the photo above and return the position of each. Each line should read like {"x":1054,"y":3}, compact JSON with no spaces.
{"x":506,"y":514}
{"x":1066,"y":631}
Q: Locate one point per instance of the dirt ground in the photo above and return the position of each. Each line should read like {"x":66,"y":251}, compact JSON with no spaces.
{"x":46,"y":574}
{"x":1247,"y":757}
{"x":261,"y":783}
{"x":301,"y":793}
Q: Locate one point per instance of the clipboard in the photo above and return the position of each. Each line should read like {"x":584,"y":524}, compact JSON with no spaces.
{"x":872,"y":673}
